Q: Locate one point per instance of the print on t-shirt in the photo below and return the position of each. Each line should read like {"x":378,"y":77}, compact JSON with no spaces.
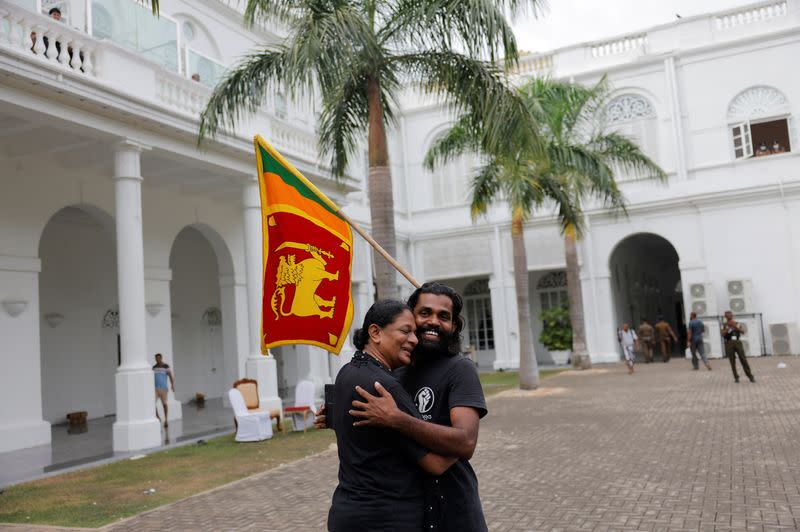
{"x":424,"y":400}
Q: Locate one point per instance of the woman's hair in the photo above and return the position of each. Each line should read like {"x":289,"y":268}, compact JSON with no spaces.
{"x":381,"y":313}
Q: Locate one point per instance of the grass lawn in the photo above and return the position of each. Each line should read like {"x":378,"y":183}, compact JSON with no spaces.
{"x":100,"y":495}
{"x":500,"y":381}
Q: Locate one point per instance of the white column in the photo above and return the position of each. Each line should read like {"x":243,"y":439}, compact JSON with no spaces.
{"x":601,"y":340}
{"x":589,"y":285}
{"x":21,"y":422}
{"x":504,"y":309}
{"x":136,"y":426}
{"x":260,"y":367}
{"x":673,"y":93}
{"x":158,"y":303}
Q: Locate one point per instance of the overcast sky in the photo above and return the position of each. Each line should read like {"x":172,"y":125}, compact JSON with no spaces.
{"x":568,"y":22}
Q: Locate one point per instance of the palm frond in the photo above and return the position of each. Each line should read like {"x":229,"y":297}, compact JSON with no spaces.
{"x":343,"y":121}
{"x":479,"y":27}
{"x":243,"y":91}
{"x":627,"y":155}
{"x":326,"y":40}
{"x":261,"y":11}
{"x":460,"y":139}
{"x":154,"y":5}
{"x":479,"y":91}
{"x":569,"y":212}
{"x":485,"y":186}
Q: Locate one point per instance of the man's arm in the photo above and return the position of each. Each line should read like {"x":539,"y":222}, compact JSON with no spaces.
{"x":171,"y":379}
{"x":435,"y":464}
{"x":381,"y":411}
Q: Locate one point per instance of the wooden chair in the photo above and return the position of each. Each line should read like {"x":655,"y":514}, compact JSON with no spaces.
{"x":249,"y":390}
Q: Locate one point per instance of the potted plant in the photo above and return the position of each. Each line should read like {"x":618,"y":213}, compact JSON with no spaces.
{"x":557,"y":333}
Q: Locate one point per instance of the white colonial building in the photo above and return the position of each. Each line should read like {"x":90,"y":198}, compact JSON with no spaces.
{"x":119,"y":238}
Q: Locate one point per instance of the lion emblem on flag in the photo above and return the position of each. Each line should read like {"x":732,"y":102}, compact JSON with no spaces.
{"x":306,"y":275}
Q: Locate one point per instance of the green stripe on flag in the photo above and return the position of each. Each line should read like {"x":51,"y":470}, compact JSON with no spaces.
{"x":270,"y":164}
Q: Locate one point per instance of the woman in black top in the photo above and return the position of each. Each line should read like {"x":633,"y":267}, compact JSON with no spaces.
{"x":381,"y":472}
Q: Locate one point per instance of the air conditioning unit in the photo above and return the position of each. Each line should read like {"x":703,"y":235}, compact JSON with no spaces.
{"x":739,"y":297}
{"x":751,"y":339}
{"x":785,"y":338}
{"x":701,"y":299}
{"x":712,"y":341}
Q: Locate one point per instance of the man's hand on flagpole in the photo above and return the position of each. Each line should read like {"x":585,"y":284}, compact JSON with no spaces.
{"x":377,"y":411}
{"x":320,"y":419}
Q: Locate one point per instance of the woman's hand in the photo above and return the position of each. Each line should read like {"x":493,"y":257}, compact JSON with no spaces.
{"x":320,"y":421}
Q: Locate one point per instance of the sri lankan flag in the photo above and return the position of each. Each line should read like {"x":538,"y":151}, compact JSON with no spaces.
{"x":308,"y":254}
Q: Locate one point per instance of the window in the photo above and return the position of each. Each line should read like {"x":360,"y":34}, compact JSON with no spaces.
{"x":770,"y":138}
{"x":634,"y":116}
{"x":478,"y":304}
{"x":553,"y":298}
{"x":552,"y":289}
{"x":758,"y":139}
{"x":742,"y":140}
{"x":188,"y":31}
{"x":451,"y":182}
{"x":760,"y":123}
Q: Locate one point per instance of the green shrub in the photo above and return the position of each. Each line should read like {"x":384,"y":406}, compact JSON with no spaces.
{"x":557,"y":331}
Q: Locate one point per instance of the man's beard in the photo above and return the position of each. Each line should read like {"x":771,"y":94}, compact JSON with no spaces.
{"x":427,"y":352}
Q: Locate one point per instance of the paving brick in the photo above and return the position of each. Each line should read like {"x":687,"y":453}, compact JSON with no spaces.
{"x":665,"y":449}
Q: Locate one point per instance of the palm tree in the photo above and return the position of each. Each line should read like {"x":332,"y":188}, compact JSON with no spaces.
{"x":358,"y":55}
{"x":582,"y":150}
{"x":511,"y":173}
{"x":574,"y":158}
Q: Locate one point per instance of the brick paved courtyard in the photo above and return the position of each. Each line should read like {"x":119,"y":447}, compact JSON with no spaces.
{"x":665,"y":449}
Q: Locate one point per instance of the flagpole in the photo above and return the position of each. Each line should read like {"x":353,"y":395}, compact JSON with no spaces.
{"x":391,"y":260}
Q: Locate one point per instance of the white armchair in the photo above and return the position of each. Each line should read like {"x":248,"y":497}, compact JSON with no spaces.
{"x":302,"y":413}
{"x":250,"y":426}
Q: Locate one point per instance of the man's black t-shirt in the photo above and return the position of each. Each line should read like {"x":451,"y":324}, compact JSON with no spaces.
{"x":380,"y":484}
{"x":436,"y":387}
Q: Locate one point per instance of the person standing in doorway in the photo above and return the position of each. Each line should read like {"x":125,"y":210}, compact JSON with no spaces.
{"x":647,"y":339}
{"x":665,"y":336}
{"x":161,"y":371}
{"x":694,"y":341}
{"x":732,"y":331}
{"x":630,"y":344}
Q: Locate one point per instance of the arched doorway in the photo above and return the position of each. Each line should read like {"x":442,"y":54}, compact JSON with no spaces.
{"x":205,"y":359}
{"x":77,"y":287}
{"x":646,"y":282}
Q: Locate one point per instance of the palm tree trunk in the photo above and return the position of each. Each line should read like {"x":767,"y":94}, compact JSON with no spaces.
{"x":381,"y":198}
{"x":580,"y":356}
{"x":528,"y":368}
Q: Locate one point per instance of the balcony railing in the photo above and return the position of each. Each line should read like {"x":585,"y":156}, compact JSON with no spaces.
{"x":620,"y":45}
{"x":202,"y":69}
{"x":48,"y":40}
{"x":751,"y":14}
{"x":535,"y":65}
